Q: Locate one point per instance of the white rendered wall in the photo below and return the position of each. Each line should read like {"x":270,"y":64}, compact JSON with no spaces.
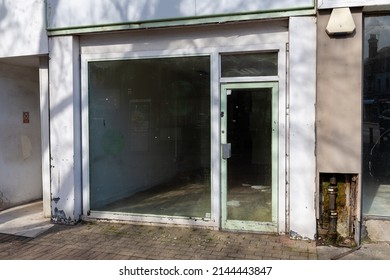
{"x":223,"y":38}
{"x":20,"y":143}
{"x":64,"y":88}
{"x":302,"y":97}
{"x":326,"y":4}
{"x":71,"y":13}
{"x":45,"y":133}
{"x":23,"y":28}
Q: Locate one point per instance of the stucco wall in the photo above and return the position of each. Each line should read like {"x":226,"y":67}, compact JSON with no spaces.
{"x":302,"y":100}
{"x":339,"y":98}
{"x":20,"y":145}
{"x":23,"y":28}
{"x":65,"y":141}
{"x":326,"y":4}
{"x":71,"y":13}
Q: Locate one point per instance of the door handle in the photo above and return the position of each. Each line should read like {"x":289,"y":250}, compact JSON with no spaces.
{"x":226,"y":150}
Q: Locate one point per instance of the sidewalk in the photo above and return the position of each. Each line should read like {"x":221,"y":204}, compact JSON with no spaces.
{"x":366,"y":251}
{"x":113,"y":241}
{"x":106,"y":241}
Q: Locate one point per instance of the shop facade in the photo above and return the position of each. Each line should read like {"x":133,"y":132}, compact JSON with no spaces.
{"x":352,"y":97}
{"x":201,"y":117}
{"x":262,"y":117}
{"x":189,"y":112}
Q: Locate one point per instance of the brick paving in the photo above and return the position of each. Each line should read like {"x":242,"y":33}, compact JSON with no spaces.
{"x":115,"y":241}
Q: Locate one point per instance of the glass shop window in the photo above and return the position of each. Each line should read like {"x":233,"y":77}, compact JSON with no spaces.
{"x":149,"y":136}
{"x":249,"y":64}
{"x":376,"y":116}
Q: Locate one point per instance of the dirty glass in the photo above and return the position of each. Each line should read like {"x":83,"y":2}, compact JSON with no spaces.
{"x":249,"y":65}
{"x":149,"y":136}
{"x":376,"y":116}
{"x":249,"y":169}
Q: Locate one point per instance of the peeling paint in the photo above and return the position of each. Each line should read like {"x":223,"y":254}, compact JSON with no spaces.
{"x":59,"y":217}
{"x":296,"y":236}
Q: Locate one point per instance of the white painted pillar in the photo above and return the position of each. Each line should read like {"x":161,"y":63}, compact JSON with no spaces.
{"x":65,"y":129}
{"x":302,"y":91}
{"x":45,"y":133}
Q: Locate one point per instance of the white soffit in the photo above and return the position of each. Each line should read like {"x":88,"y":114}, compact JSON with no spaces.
{"x":377,"y":8}
{"x":340,"y":22}
{"x":329,"y":4}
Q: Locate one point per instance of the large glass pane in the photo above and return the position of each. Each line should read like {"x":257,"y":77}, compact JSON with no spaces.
{"x":249,"y":169}
{"x":149,"y":136}
{"x":376,"y":116}
{"x":249,"y":64}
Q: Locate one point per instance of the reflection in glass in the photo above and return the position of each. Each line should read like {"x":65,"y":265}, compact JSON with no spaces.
{"x":149,"y":136}
{"x":249,"y":169}
{"x":376,"y":117}
{"x":249,"y":64}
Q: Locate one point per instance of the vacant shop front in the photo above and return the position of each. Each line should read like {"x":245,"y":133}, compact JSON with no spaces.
{"x":190,"y":113}
{"x":186,"y":132}
{"x":208,"y":125}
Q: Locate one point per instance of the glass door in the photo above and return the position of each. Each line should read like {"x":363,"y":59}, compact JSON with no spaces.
{"x":249,"y":141}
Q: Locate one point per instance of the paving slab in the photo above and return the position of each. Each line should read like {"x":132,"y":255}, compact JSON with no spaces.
{"x":104,"y":240}
{"x":366,"y":251}
{"x":108,"y":240}
{"x":25,"y":220}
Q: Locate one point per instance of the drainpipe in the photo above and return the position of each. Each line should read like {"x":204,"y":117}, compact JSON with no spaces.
{"x":332,"y":193}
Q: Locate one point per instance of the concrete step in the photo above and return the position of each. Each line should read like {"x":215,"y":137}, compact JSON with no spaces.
{"x":376,"y":229}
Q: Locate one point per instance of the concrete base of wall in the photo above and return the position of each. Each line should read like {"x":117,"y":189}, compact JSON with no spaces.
{"x":377,"y":230}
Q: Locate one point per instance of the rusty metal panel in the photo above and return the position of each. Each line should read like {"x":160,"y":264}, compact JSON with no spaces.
{"x":338,"y":209}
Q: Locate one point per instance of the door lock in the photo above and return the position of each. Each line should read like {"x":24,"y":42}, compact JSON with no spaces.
{"x":226,"y":150}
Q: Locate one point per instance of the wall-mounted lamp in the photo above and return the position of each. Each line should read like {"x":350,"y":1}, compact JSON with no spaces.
{"x":340,"y":22}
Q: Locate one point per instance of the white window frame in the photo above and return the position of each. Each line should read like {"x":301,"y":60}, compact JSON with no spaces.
{"x":215,"y":81}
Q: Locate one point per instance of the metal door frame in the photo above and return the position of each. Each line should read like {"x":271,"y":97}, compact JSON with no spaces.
{"x":251,"y":225}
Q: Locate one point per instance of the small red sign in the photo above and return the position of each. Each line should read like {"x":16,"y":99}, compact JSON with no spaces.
{"x":26,"y":117}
